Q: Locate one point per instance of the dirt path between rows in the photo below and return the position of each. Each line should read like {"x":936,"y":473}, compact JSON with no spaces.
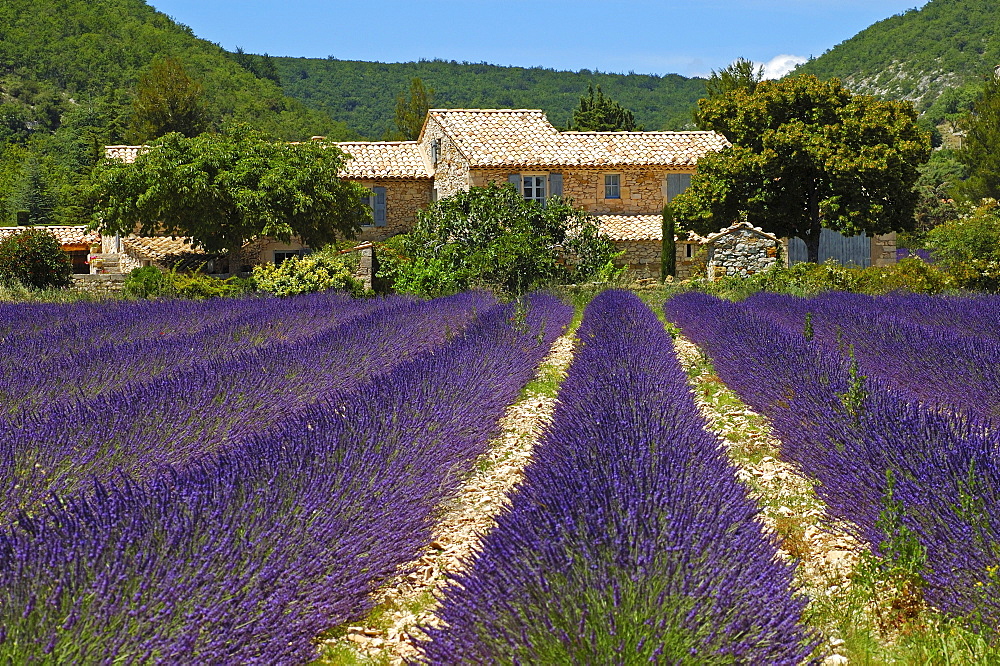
{"x":407,"y":602}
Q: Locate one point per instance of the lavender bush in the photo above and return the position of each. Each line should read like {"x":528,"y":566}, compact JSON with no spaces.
{"x":906,"y":476}
{"x":246,"y":556}
{"x":210,"y":406}
{"x":630,"y":539}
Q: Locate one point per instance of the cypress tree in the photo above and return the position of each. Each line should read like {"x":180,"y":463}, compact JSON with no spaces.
{"x":668,"y":255}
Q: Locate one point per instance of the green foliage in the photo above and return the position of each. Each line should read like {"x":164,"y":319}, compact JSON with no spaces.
{"x":740,"y":75}
{"x":33,"y":258}
{"x":411,"y":110}
{"x":806,"y":154}
{"x":260,"y":66}
{"x":151,"y":282}
{"x":919,"y":54}
{"x":34,"y":194}
{"x":981,"y":150}
{"x":319,"y":271}
{"x":972,"y":237}
{"x":491,"y":237}
{"x":223,"y":189}
{"x":167,"y":100}
{"x":597,"y":113}
{"x":668,"y":254}
{"x":806,"y":279}
{"x":363,"y":94}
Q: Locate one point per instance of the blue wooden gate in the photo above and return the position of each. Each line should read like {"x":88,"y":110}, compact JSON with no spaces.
{"x":834,"y":245}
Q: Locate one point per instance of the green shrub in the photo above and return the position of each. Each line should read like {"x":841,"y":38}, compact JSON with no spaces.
{"x":971,"y":238}
{"x":491,"y":237}
{"x":805,"y":279}
{"x":33,"y":258}
{"x":151,"y":282}
{"x":146,"y":282}
{"x":319,"y":271}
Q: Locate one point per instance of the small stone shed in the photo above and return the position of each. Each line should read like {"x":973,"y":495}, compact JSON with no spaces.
{"x":75,"y":240}
{"x":741,"y":250}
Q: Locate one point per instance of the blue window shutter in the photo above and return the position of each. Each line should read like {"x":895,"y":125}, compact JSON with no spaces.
{"x":555,"y":185}
{"x":515,"y":180}
{"x":378,"y":210}
{"x":677,"y":183}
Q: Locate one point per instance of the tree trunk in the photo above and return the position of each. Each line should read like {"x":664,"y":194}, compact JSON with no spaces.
{"x":235,"y":255}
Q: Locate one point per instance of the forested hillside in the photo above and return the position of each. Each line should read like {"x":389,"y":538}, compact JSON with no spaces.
{"x":68,"y":75}
{"x":936,"y":55}
{"x":363,"y":94}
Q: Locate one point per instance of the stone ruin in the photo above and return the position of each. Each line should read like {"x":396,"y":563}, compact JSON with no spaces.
{"x":741,"y":250}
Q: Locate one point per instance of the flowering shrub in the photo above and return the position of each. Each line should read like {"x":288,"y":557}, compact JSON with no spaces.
{"x":33,"y":258}
{"x":319,"y":271}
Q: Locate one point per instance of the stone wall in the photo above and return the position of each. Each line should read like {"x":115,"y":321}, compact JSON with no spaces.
{"x":641,"y":257}
{"x":403,"y":198}
{"x":884,"y":249}
{"x":99,"y":284}
{"x":643,"y":189}
{"x":741,"y":250}
{"x":451,"y":173}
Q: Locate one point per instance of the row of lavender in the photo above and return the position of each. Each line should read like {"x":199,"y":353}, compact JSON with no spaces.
{"x":218,"y":402}
{"x":936,"y":351}
{"x":913,"y":470}
{"x":630,"y":539}
{"x":77,"y":359}
{"x":246,"y":554}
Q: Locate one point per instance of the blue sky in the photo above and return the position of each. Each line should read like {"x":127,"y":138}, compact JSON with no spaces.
{"x":690,"y":38}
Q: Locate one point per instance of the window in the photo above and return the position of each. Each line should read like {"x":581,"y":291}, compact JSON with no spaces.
{"x":677,"y":183}
{"x":376,"y":201}
{"x":689,"y":252}
{"x":536,"y":187}
{"x":435,"y":151}
{"x":281,"y":255}
{"x":612,"y":186}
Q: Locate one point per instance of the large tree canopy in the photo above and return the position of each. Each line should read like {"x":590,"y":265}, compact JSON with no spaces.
{"x":224,"y":189}
{"x":806,"y":154}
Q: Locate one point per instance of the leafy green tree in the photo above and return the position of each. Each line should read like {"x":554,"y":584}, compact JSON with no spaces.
{"x":981,"y":150}
{"x":491,"y":237}
{"x":33,"y":258}
{"x":168,"y":100}
{"x":597,"y":113}
{"x":807,"y":154}
{"x":740,"y":75}
{"x":224,"y":189}
{"x":34,"y":194}
{"x":411,"y":111}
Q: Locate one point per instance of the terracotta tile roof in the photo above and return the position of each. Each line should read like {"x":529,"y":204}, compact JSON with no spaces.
{"x":126,"y":154}
{"x":631,"y":227}
{"x":525,"y":137}
{"x":385,"y":159}
{"x":67,"y":235}
{"x":159,"y":248}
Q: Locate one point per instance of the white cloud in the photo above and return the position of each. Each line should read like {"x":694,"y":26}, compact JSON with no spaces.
{"x":778,"y":66}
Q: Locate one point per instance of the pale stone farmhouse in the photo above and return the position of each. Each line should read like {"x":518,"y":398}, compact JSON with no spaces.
{"x":622,"y":178}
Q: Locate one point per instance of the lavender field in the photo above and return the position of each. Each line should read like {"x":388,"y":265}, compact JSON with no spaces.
{"x":228,"y":481}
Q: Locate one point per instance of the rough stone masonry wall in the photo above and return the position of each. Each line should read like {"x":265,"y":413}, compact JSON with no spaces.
{"x":451,"y":173}
{"x":643,"y":190}
{"x":641,"y":257}
{"x":741,"y":252}
{"x":403,"y":198}
{"x":99,"y":284}
{"x":884,"y":249}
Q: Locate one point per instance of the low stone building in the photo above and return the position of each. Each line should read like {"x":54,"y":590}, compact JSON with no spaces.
{"x":741,"y":250}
